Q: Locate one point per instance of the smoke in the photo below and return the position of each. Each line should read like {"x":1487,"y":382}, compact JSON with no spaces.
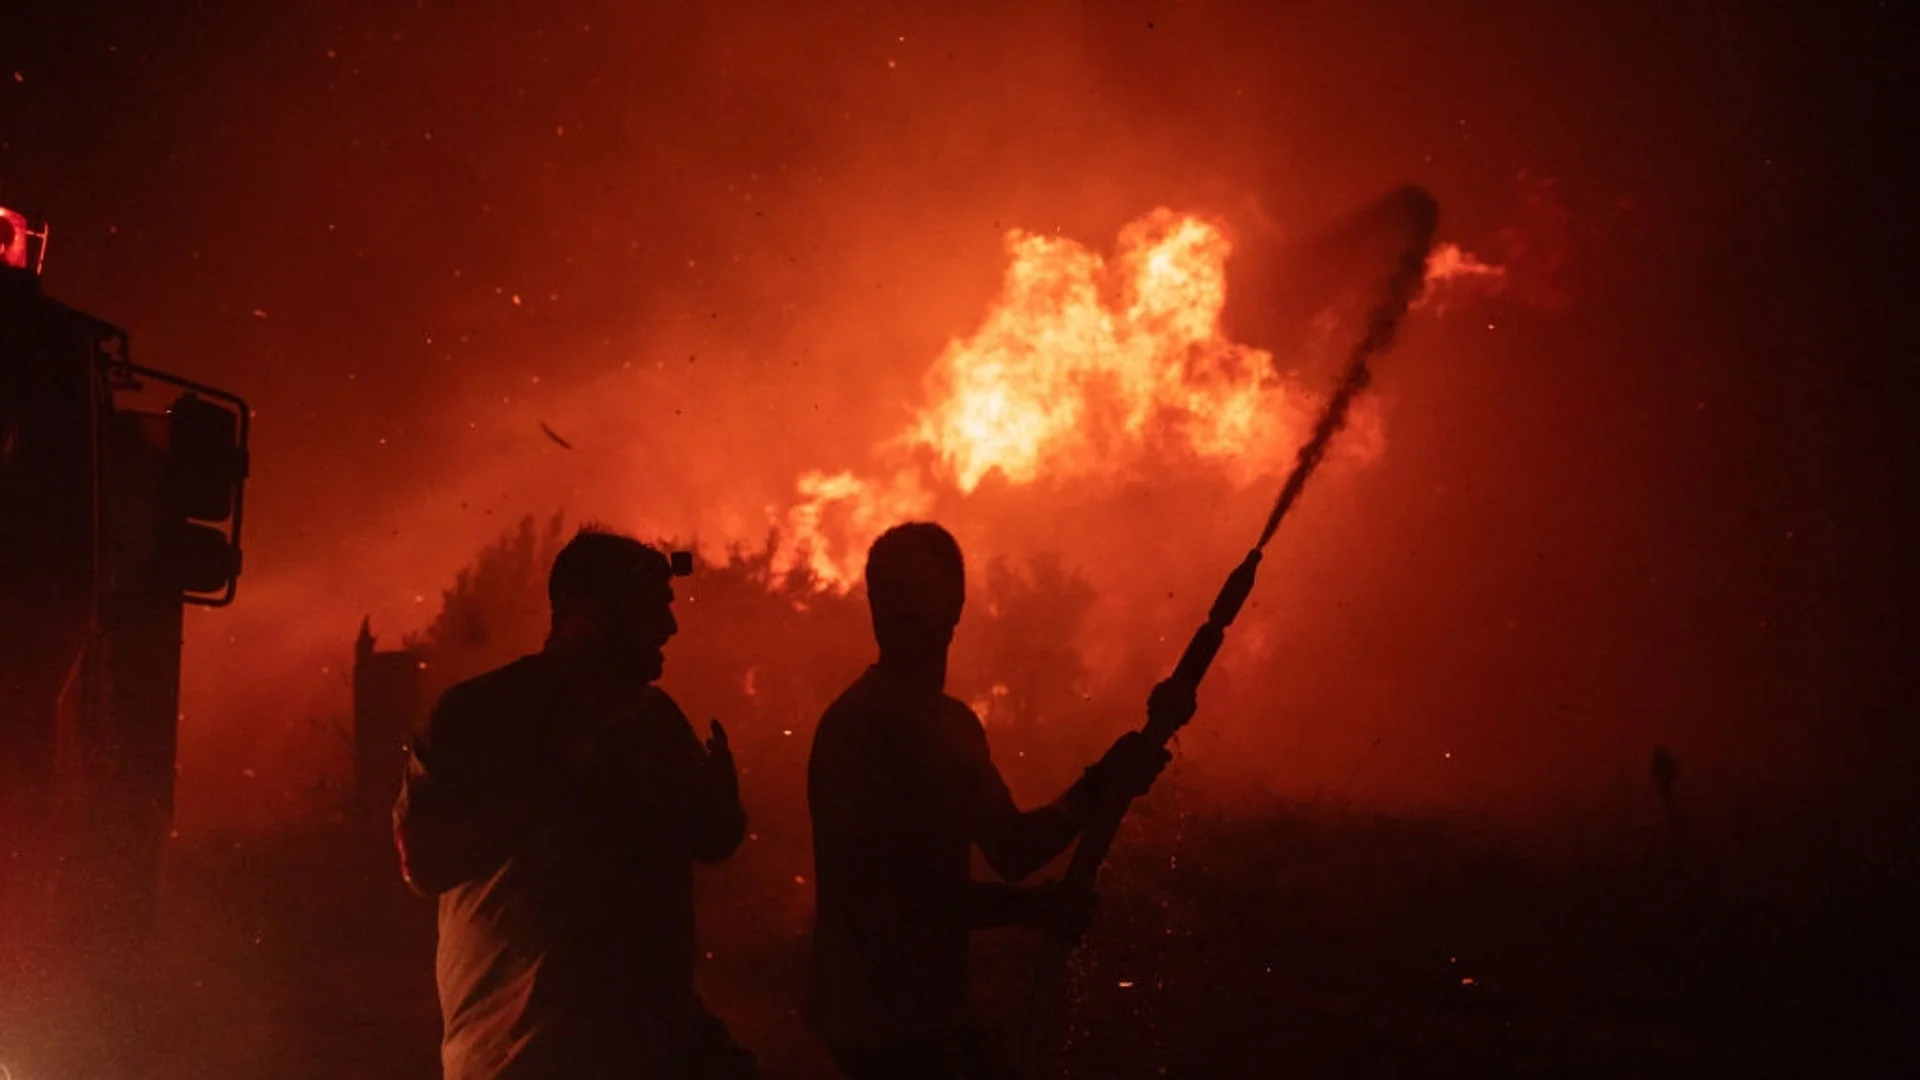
{"x":729,"y":311}
{"x":612,"y":462}
{"x":1627,"y":481}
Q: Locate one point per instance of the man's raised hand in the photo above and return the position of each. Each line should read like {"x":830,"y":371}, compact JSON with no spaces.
{"x":720,"y":757}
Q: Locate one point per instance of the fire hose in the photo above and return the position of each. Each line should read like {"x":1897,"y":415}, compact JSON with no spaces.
{"x":1421,"y":215}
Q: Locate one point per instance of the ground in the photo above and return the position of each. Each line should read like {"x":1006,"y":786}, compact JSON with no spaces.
{"x":1302,"y":940}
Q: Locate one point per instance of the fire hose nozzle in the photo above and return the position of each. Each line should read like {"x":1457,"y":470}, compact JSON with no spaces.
{"x":1226,"y":606}
{"x":1207,"y":640}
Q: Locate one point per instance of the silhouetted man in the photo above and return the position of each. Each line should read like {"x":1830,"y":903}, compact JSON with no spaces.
{"x":901,"y":786}
{"x":555,"y":807}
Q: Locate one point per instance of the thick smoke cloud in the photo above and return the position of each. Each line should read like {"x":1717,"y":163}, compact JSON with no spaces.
{"x":1638,"y":472}
{"x":714,"y":248}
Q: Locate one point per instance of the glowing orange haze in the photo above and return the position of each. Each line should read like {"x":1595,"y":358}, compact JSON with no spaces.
{"x":1080,"y":369}
{"x":1087,"y":369}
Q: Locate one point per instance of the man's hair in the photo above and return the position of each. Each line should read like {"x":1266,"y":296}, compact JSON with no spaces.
{"x":598,"y":559}
{"x":899,"y":562}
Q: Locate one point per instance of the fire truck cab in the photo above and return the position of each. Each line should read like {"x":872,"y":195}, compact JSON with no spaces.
{"x":120,"y":501}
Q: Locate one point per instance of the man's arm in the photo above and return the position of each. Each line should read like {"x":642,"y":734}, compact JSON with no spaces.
{"x":716,"y":822}
{"x":988,"y":905}
{"x":462,"y":810}
{"x":1016,"y":842}
{"x":719,"y":821}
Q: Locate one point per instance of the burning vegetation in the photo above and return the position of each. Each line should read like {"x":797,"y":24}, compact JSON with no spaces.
{"x":1084,"y":370}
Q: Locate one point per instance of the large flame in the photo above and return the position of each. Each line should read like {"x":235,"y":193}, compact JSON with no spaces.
{"x":1082,"y":367}
{"x":826,"y":534}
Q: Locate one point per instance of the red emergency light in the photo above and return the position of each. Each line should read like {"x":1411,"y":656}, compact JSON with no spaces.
{"x":22,"y":247}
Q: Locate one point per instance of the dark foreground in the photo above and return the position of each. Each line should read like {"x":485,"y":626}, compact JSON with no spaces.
{"x":1299,"y":941}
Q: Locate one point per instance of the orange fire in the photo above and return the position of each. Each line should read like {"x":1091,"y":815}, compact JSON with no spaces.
{"x":827,"y":533}
{"x":1451,"y":270}
{"x":1084,"y":368}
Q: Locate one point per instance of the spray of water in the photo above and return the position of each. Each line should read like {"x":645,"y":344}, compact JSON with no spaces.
{"x":1411,"y":213}
{"x":1415,"y":211}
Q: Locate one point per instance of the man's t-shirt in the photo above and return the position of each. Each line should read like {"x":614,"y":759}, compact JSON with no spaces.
{"x":566,"y":912}
{"x":900,"y":785}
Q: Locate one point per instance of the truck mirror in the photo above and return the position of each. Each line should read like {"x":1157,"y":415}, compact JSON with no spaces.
{"x":199,"y":558}
{"x":205,"y":462}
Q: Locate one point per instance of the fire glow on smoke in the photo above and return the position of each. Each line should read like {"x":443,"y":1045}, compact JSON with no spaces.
{"x":1082,"y":367}
{"x":1078,"y":360}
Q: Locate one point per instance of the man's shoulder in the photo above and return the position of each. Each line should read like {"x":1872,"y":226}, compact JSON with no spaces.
{"x":957,"y":726}
{"x":955,"y":711}
{"x":510,"y":686}
{"x":659,"y":704}
{"x":872,"y":713}
{"x":863,"y":696}
{"x":490,"y":717}
{"x":852,"y":722}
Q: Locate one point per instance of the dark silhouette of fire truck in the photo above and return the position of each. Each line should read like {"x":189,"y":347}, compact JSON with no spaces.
{"x":120,"y":502}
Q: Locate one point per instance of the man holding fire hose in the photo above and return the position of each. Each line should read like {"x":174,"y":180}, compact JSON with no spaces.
{"x":555,"y":807}
{"x":901,"y":786}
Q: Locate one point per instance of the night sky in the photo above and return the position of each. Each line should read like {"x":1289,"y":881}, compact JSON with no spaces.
{"x":1659,"y":489}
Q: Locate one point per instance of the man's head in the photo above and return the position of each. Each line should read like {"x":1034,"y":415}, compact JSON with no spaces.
{"x":612,"y":602}
{"x":916,"y":586}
